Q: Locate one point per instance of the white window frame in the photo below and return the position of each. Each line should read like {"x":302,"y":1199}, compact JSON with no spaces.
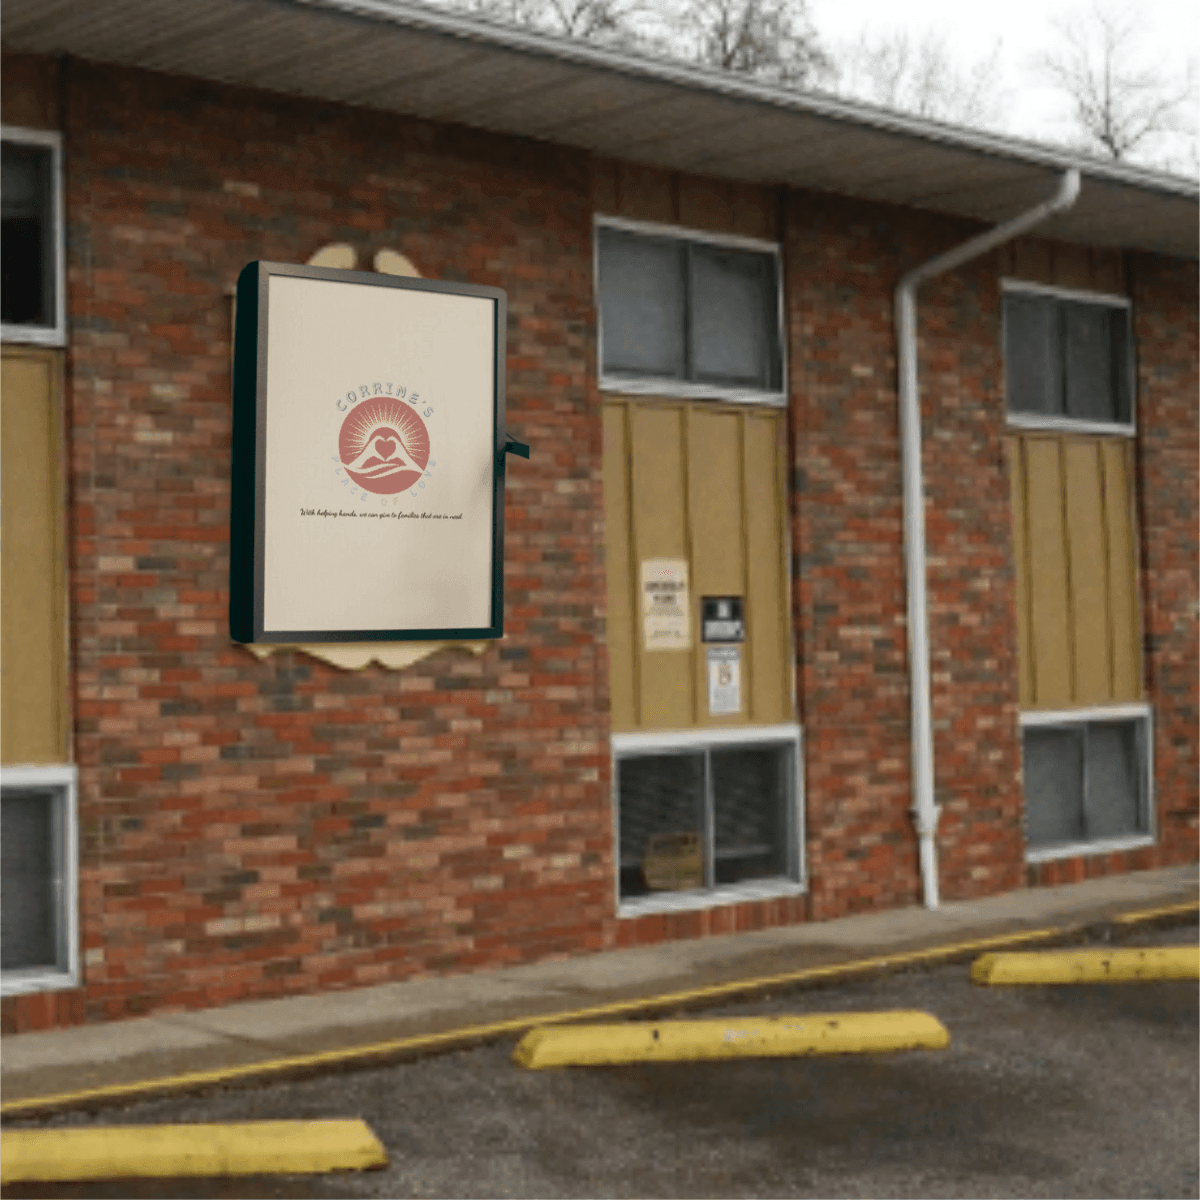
{"x":56,"y":334}
{"x":651,"y":385}
{"x":64,"y":780}
{"x":1083,"y":716}
{"x":682,"y":740}
{"x":1054,"y":422}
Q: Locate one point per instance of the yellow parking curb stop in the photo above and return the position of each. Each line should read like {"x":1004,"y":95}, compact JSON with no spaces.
{"x":1088,"y":966}
{"x":757,"y":1037}
{"x":246,"y":1148}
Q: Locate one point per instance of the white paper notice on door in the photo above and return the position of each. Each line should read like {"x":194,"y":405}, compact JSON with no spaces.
{"x":724,"y":680}
{"x":665,"y":604}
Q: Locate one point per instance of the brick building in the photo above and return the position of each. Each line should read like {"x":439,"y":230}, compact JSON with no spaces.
{"x":703,"y":352}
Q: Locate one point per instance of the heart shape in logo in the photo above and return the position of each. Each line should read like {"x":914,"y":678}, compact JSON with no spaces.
{"x":385,"y":446}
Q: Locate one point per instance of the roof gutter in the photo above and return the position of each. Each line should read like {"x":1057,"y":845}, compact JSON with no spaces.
{"x":700,"y":78}
{"x":925,"y":811}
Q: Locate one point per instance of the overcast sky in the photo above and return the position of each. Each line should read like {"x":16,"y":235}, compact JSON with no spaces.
{"x":1170,"y":33}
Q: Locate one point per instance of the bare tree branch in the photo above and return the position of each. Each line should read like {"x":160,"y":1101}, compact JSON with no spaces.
{"x":1120,"y":104}
{"x":919,"y":76}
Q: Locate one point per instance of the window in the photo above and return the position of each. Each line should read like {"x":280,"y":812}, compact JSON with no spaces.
{"x":31,"y":295}
{"x":688,"y":316}
{"x":694,"y":818}
{"x":1087,"y":782}
{"x":1067,"y":357}
{"x":38,"y":879}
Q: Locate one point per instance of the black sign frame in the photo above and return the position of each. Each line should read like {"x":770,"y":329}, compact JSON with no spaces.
{"x":249,"y":445}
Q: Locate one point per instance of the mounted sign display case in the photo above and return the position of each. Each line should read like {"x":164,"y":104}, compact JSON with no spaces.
{"x":368,"y":458}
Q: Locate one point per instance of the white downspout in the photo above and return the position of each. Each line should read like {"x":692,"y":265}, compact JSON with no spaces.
{"x":925,"y":811}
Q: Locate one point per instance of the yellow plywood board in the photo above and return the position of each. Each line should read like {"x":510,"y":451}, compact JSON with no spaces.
{"x":1117,"y":459}
{"x":695,"y":491}
{"x":1016,"y":486}
{"x":768,"y":605}
{"x":1088,"y":966}
{"x":33,"y":631}
{"x":1090,"y":625}
{"x":619,"y":627}
{"x":658,"y":488}
{"x":752,"y":1037}
{"x":247,"y":1148}
{"x":715,"y":519}
{"x":1048,"y":580}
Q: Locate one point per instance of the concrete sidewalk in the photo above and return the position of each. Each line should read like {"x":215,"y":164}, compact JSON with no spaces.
{"x":149,"y":1054}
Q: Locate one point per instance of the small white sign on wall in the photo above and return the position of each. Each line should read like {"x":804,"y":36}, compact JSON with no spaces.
{"x":665,"y":604}
{"x":724,"y":680}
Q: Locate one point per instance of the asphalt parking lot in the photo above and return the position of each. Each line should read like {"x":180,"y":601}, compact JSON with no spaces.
{"x":1050,"y":1091}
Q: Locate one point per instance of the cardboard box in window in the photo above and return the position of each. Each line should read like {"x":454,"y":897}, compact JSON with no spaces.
{"x":673,"y":862}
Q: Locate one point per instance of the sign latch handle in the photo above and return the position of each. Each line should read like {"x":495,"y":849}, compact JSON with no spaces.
{"x":512,"y":446}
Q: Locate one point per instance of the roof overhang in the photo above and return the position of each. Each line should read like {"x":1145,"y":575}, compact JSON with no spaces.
{"x":440,"y":65}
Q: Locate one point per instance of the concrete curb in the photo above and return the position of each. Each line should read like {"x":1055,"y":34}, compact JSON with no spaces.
{"x":399,"y":1049}
{"x":145,"y":1151}
{"x":747,"y":1037}
{"x":1087,"y":966}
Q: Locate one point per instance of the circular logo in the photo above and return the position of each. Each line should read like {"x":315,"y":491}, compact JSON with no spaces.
{"x":384,"y":445}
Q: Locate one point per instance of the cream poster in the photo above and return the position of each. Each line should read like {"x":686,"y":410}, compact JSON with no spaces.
{"x":379,"y":458}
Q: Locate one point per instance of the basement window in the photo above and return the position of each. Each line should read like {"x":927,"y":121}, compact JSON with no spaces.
{"x":688,"y":315}
{"x":1087,"y":782}
{"x":1068,"y":360}
{"x":38,"y":879}
{"x":31,"y":292}
{"x":700,"y":823}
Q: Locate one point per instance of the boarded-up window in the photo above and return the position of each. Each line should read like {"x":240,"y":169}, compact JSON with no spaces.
{"x":698,"y":487}
{"x":1077,"y":607}
{"x":33,"y":716}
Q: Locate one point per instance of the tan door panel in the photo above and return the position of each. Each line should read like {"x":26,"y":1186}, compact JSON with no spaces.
{"x":620,"y":630}
{"x":1090,"y":625}
{"x":715,"y":516}
{"x":768,"y":604}
{"x":1117,"y":459}
{"x":32,"y":575}
{"x":658,"y":489}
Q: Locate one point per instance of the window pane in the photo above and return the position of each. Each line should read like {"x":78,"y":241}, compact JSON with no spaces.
{"x":641,"y":305}
{"x":734,"y":318}
{"x":1054,"y":786}
{"x":1089,"y":360}
{"x":750,"y":819}
{"x":1032,"y":355}
{"x":27,"y":265}
{"x":1114,"y":780}
{"x":28,"y":930}
{"x":661,"y":798}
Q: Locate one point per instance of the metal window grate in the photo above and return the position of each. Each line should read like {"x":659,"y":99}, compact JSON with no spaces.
{"x":729,"y":806}
{"x":1086,"y":781}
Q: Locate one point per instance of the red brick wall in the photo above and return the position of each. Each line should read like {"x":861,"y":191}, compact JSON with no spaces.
{"x":261,"y":828}
{"x":1165,"y":303}
{"x":845,"y":260}
{"x":1164,"y":295}
{"x":257,"y":828}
